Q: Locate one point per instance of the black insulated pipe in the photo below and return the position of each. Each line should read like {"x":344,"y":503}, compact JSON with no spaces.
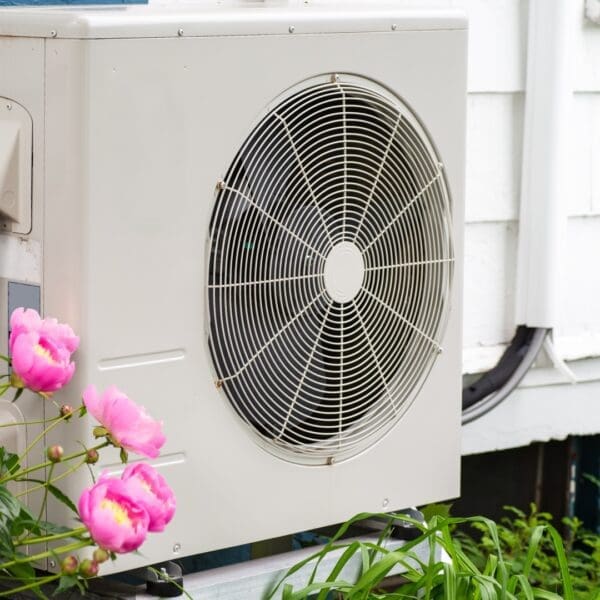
{"x":495,"y":385}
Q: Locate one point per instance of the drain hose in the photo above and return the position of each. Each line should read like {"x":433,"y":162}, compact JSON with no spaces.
{"x":494,"y":386}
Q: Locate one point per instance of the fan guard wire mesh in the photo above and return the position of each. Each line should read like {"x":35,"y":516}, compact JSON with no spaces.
{"x":317,"y":378}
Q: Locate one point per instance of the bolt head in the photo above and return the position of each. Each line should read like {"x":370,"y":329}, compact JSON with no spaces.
{"x":9,"y":106}
{"x":291,"y":29}
{"x":385,"y":502}
{"x":394,"y":27}
{"x":176,"y":547}
{"x":180,"y":32}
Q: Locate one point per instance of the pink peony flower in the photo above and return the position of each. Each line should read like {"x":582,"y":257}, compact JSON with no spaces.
{"x":150,"y":489}
{"x":128,"y":425}
{"x":41,"y":351}
{"x":115,"y":520}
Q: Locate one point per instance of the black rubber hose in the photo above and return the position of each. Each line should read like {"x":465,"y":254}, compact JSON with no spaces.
{"x":495,"y":385}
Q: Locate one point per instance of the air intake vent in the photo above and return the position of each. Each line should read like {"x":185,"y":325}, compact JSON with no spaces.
{"x":330,"y":270}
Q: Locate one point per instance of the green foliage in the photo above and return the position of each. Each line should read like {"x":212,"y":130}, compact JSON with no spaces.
{"x":453,"y":569}
{"x":524,"y":541}
{"x":58,"y":494}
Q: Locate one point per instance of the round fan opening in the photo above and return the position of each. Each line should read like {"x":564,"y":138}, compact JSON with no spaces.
{"x":329,"y":270}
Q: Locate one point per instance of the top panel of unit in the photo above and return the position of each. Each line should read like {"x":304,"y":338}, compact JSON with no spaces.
{"x":229,"y":17}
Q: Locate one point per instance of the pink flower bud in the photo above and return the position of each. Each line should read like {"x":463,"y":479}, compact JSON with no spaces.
{"x":91,"y":456}
{"x":100,"y":555}
{"x":128,"y":425}
{"x":69,"y":565}
{"x":41,"y":351}
{"x":88,"y":568}
{"x":66,"y":411}
{"x":55,"y":453}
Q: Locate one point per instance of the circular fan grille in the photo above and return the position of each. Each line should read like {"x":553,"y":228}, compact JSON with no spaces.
{"x":329,"y":272}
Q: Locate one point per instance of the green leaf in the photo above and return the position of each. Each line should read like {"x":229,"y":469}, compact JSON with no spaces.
{"x":40,"y":528}
{"x":7,"y":548}
{"x":436,"y":510}
{"x":562,"y":563}
{"x":26,"y":573}
{"x":9,"y":462}
{"x":60,"y":496}
{"x":18,"y":394}
{"x":340,"y":564}
{"x":65,"y":583}
{"x":9,"y":505}
{"x":99,"y":431}
{"x":123,"y":455}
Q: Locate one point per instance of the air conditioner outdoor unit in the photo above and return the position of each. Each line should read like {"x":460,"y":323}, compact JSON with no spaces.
{"x":252,"y":216}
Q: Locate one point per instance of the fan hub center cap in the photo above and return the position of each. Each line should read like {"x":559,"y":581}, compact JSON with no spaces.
{"x":344,"y":272}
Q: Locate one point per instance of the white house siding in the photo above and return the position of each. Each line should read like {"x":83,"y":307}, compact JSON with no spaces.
{"x":546,"y":406}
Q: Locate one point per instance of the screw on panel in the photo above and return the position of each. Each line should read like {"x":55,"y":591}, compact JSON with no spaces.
{"x":439,"y":349}
{"x":219,"y":383}
{"x":335,"y":78}
{"x":220,"y":184}
{"x":176,"y":547}
{"x":330,"y":460}
{"x":394,"y":26}
{"x":9,"y":106}
{"x":180,"y":32}
{"x":52,"y":564}
{"x":53,"y":33}
{"x":440,"y":165}
{"x":385,"y":502}
{"x":291,"y":29}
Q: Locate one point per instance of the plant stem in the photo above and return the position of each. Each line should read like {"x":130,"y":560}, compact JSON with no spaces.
{"x":48,"y":463}
{"x":39,"y":582}
{"x":41,"y":435}
{"x":45,"y":499}
{"x":35,"y":488}
{"x":47,"y":553}
{"x":54,"y":537}
{"x":166,"y":577}
{"x":30,"y":422}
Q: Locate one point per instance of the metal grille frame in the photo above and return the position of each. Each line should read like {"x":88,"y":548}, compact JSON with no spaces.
{"x":336,"y":158}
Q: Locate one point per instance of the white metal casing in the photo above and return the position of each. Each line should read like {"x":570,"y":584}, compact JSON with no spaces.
{"x":139,"y":121}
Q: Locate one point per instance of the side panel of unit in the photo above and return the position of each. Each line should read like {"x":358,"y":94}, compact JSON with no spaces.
{"x":65,"y":225}
{"x":22,"y":82}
